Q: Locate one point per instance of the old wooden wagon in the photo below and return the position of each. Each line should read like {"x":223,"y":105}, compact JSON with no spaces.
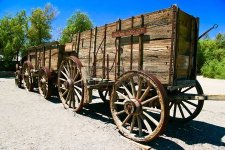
{"x":145,"y":65}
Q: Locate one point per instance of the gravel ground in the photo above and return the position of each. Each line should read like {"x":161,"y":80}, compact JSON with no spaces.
{"x":28,"y":121}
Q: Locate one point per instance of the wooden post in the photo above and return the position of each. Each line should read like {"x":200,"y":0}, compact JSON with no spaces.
{"x":107,"y":66}
{"x":118,"y":50}
{"x":36,"y":59}
{"x":78,"y":45}
{"x":50,"y":55}
{"x":194,"y":70}
{"x":104,"y":49}
{"x":89,"y":54}
{"x":140,"y":58}
{"x":94,"y":53}
{"x":131,"y":45}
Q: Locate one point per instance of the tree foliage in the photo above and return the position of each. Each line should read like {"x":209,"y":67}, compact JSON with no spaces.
{"x":13,"y":35}
{"x":78,"y":22}
{"x":211,"y":57}
{"x":40,"y":24}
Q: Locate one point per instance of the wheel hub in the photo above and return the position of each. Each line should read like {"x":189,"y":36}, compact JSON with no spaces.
{"x":69,"y":84}
{"x":132,"y":107}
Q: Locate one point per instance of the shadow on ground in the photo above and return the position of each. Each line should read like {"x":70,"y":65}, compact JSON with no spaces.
{"x":194,"y":132}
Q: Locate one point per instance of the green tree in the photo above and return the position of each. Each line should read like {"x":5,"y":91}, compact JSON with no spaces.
{"x":40,"y":24}
{"x":78,"y":22}
{"x":211,"y":57}
{"x":13,"y":32}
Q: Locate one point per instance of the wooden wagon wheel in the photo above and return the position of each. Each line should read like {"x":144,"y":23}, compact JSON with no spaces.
{"x":104,"y":95}
{"x":71,"y":84}
{"x":18,"y":79}
{"x":44,"y":82}
{"x":186,"y":110}
{"x":27,"y":76}
{"x":139,"y":107}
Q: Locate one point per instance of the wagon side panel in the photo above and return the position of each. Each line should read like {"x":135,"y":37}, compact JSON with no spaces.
{"x":187,"y":32}
{"x":156,"y":58}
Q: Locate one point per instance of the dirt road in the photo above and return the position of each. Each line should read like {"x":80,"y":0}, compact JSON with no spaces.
{"x":28,"y":121}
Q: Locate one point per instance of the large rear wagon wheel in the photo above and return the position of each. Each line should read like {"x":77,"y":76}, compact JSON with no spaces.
{"x":45,"y":82}
{"x":186,"y":110}
{"x":139,"y":107}
{"x":27,"y":76}
{"x":71,"y":84}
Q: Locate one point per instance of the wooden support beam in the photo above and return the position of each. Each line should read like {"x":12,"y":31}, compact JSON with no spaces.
{"x":50,"y":57}
{"x":141,"y":47}
{"x":94,"y":53}
{"x":131,"y":45}
{"x":104,"y":50}
{"x":118,"y":50}
{"x":89,"y":53}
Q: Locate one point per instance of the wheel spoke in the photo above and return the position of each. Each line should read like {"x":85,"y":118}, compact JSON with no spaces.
{"x":145,"y":93}
{"x":133,"y":87}
{"x":175,"y":109}
{"x":78,"y":88}
{"x":67,"y":72}
{"x":186,"y":108}
{"x":153,"y":110}
{"x":68,"y":97}
{"x":126,"y":119}
{"x":149,"y":100}
{"x":64,"y":74}
{"x":62,"y":79}
{"x":68,"y":67}
{"x":125,"y":97}
{"x":132,"y":123}
{"x":128,"y":92}
{"x":171,"y":105}
{"x":65,"y":92}
{"x":181,"y":111}
{"x":76,"y":76}
{"x":78,"y":81}
{"x":139,"y":126}
{"x":78,"y":95}
{"x":120,"y":112}
{"x":151,"y":118}
{"x":62,"y":88}
{"x":147,"y":125}
{"x":187,"y":89}
{"x":193,"y":104}
{"x":139,"y":88}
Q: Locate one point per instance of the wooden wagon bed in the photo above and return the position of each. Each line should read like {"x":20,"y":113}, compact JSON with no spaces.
{"x":162,"y":43}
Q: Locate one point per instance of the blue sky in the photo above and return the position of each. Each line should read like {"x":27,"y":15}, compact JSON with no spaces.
{"x":103,"y":11}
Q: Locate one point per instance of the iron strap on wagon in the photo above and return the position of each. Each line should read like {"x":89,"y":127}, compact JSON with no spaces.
{"x":145,"y":65}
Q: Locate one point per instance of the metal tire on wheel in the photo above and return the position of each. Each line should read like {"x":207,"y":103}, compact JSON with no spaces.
{"x":139,"y":107}
{"x":44,"y":82}
{"x":27,"y":76}
{"x":186,"y":110}
{"x":71,"y":84}
{"x":18,"y":78}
